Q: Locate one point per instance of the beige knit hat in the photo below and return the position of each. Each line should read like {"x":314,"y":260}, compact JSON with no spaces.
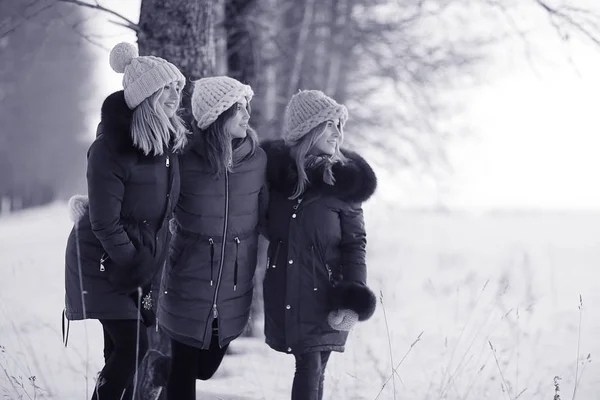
{"x":212,"y":96}
{"x":306,"y":110}
{"x":142,"y":76}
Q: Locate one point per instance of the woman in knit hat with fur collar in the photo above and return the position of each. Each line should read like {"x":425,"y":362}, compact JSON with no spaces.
{"x":207,"y":288}
{"x":315,"y":285}
{"x":119,"y":242}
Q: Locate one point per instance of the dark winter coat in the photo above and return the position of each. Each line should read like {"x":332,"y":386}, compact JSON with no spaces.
{"x":315,"y":244}
{"x":131,"y":198}
{"x":214,"y":248}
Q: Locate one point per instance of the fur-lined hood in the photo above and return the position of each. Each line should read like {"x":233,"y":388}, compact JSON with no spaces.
{"x":355,"y":181}
{"x":115,"y":122}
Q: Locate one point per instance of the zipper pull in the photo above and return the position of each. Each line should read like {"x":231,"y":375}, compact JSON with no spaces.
{"x":297,"y":204}
{"x":167,"y":163}
{"x":215,"y":312}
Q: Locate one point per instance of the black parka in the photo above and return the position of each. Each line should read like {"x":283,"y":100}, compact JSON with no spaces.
{"x":131,"y":198}
{"x":213,"y":252}
{"x":316,"y":253}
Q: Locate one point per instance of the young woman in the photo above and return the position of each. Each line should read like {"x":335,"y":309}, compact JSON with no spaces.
{"x":119,"y":242}
{"x":207,"y":288}
{"x":315,"y":285}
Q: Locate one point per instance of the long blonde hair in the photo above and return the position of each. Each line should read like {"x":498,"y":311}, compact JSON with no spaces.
{"x":300,"y":151}
{"x":152,"y":130}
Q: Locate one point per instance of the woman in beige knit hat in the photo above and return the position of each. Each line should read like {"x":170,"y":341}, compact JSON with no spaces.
{"x":315,"y":285}
{"x":207,"y":290}
{"x":118,"y":245}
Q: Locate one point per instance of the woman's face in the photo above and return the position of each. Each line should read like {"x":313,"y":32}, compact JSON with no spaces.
{"x":237,"y":124}
{"x":170,"y":97}
{"x":330,"y":140}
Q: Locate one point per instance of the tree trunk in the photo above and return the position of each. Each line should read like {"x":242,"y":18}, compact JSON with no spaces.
{"x":243,"y":52}
{"x":180,"y":31}
{"x":305,"y":28}
{"x":240,"y":43}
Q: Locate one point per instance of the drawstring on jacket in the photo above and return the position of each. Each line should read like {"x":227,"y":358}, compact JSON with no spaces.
{"x":314,"y":271}
{"x":235,"y":265}
{"x":212,"y":258}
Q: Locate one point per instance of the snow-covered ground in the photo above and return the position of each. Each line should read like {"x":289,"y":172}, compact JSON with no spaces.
{"x":510,"y":282}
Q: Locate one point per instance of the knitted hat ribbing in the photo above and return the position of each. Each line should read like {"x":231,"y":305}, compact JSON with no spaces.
{"x":142,"y":76}
{"x":307,"y":109}
{"x":213,"y":95}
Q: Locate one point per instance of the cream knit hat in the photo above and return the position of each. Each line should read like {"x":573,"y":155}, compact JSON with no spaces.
{"x":142,"y":76}
{"x":306,"y":110}
{"x":212,"y":96}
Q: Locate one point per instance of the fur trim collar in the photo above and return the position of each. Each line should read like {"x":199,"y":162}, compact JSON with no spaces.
{"x":355,"y":181}
{"x":115,"y":122}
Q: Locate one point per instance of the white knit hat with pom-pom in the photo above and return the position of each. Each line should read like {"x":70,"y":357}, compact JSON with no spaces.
{"x":213,"y":95}
{"x":142,"y":76}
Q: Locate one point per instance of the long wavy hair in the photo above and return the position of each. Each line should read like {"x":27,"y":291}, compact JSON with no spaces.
{"x":219,"y":148}
{"x":152,"y":131}
{"x":301,"y":154}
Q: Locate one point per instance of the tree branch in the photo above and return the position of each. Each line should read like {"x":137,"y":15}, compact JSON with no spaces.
{"x":558,"y":14}
{"x":9,"y":30}
{"x":127,"y":23}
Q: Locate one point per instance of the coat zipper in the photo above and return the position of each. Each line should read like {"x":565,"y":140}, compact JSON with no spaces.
{"x":220,"y":273}
{"x":322,"y":261}
{"x":167,"y":164}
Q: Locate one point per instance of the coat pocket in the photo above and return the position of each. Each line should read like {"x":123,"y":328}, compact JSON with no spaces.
{"x":180,"y":250}
{"x":320,"y":266}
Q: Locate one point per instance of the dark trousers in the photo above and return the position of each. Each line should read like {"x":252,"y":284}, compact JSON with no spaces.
{"x":309,"y":376}
{"x":190,"y":363}
{"x":120,"y":347}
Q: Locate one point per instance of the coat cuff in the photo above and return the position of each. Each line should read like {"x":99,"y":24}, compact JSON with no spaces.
{"x":354,"y":296}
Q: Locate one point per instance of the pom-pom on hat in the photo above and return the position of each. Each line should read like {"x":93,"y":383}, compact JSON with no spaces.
{"x":307,"y":109}
{"x":142,"y":76}
{"x":213,"y":95}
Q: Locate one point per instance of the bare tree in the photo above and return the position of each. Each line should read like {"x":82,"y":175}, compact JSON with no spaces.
{"x":40,"y":138}
{"x":410,"y":51}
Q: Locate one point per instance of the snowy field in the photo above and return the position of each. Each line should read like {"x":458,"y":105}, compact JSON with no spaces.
{"x":490,"y":305}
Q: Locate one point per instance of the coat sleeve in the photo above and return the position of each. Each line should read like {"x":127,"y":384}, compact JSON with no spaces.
{"x":353,"y":244}
{"x":105,"y":177}
{"x":352,"y":292}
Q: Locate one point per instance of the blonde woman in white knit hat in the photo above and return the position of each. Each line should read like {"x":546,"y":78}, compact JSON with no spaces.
{"x":207,"y":290}
{"x":315,"y":285}
{"x":118,"y":245}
